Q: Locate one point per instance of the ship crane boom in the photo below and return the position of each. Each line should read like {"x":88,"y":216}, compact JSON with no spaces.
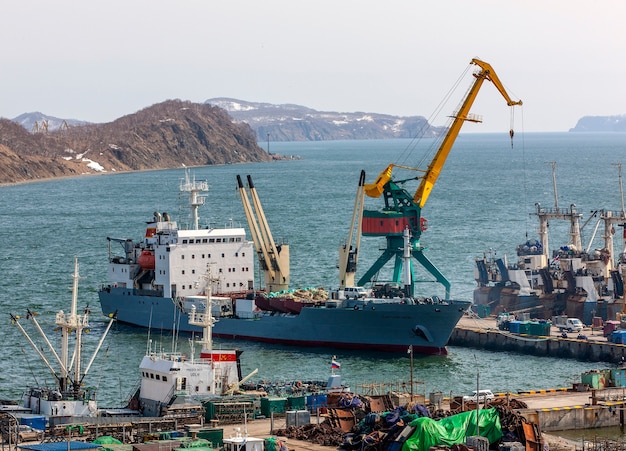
{"x":273,"y":258}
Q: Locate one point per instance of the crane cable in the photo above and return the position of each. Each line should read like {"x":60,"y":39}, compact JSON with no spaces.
{"x":404,"y":157}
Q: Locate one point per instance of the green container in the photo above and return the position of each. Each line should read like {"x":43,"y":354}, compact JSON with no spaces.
{"x":539,"y":329}
{"x":213,"y":435}
{"x":594,"y":379}
{"x":296,"y":402}
{"x":273,"y":405}
{"x":209,"y":410}
{"x":483,"y":311}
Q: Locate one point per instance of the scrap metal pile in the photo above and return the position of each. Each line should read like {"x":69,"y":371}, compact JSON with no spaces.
{"x":354,"y":422}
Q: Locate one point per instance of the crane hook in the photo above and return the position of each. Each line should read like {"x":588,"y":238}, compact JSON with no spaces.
{"x":511,"y":134}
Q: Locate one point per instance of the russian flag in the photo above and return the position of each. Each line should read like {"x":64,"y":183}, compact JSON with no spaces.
{"x":335,"y":365}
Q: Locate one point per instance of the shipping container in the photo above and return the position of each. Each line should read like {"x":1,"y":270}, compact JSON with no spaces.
{"x":273,"y":405}
{"x":296,"y":402}
{"x":595,"y":379}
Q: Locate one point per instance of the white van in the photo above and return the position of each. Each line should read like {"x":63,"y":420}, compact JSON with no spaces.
{"x":354,"y":292}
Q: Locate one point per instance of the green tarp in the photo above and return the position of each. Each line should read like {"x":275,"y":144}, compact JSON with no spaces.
{"x":107,"y":440}
{"x":452,"y":430}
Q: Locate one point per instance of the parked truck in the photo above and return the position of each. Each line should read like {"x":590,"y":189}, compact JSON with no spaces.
{"x":566,"y":324}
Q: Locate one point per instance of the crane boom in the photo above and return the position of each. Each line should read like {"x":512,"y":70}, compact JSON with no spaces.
{"x":348,"y":255}
{"x":273,"y":259}
{"x":402,"y":212}
{"x":432,"y":173}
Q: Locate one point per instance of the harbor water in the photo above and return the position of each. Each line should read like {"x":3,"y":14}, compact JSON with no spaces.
{"x":482,"y":202}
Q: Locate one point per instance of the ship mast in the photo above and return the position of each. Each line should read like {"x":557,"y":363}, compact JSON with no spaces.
{"x":558,"y":213}
{"x":205,"y":320}
{"x":194,"y":188}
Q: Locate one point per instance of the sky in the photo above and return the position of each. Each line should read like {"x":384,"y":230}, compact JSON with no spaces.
{"x":99,"y":60}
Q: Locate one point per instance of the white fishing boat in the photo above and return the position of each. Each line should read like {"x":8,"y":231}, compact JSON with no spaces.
{"x":68,"y":398}
{"x":175,"y":380}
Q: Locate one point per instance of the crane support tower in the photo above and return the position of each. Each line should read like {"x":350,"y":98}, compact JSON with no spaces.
{"x":402,"y":211}
{"x":273,"y":259}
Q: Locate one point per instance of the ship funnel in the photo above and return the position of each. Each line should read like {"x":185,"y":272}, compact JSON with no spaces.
{"x":166,"y":216}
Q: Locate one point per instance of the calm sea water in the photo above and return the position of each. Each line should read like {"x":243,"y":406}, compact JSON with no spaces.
{"x":482,"y":201}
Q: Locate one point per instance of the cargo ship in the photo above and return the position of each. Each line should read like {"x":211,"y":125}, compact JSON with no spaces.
{"x":159,"y":280}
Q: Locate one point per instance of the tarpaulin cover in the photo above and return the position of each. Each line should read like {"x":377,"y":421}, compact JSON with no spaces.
{"x":107,"y":440}
{"x":452,"y":430}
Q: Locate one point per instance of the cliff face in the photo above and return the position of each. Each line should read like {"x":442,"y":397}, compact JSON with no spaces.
{"x":166,"y":135}
{"x":290,"y":122}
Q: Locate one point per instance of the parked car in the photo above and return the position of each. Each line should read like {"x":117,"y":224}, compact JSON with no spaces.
{"x":483,"y":396}
{"x":26,"y":433}
{"x":355,"y":292}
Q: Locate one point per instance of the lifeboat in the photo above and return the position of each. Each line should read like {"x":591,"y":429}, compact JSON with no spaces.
{"x":146,"y":260}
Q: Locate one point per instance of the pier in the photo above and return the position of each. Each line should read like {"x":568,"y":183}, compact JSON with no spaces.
{"x":484,"y":334}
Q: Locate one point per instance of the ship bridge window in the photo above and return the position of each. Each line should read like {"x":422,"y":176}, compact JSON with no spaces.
{"x":193,"y":256}
{"x":204,"y":240}
{"x":193,"y":271}
{"x":211,"y":240}
{"x":198,"y":241}
{"x":164,"y":378}
{"x":184,"y":241}
{"x":243,"y":254}
{"x":236,"y":254}
{"x":183,"y":271}
{"x":151,"y":375}
{"x":158,"y":377}
{"x":238,"y":239}
{"x":218,"y":240}
{"x":222,"y":255}
{"x":182,"y":257}
{"x":231,"y":240}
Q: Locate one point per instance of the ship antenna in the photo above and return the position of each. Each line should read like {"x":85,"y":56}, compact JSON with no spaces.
{"x":621,"y":187}
{"x":194,"y":188}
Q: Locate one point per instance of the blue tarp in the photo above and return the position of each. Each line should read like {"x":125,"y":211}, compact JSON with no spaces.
{"x":59,"y":446}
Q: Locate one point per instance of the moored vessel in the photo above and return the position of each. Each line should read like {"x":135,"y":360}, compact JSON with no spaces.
{"x":69,"y":398}
{"x":163,"y":298}
{"x":573,"y":280}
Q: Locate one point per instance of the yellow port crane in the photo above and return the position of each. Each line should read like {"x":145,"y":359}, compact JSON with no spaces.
{"x":273,"y":258}
{"x":403,"y":210}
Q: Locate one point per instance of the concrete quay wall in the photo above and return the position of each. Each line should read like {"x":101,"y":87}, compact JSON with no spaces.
{"x":497,"y":340}
{"x":575,"y":417}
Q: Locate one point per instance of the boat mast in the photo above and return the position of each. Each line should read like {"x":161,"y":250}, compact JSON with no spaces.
{"x":194,"y":188}
{"x":205,"y":320}
{"x":68,"y":324}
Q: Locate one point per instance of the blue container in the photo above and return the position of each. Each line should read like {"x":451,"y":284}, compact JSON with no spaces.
{"x":313,"y":402}
{"x":524,"y":327}
{"x":618,"y":376}
{"x":514,"y":327}
{"x":618,"y":336}
{"x":34,"y":421}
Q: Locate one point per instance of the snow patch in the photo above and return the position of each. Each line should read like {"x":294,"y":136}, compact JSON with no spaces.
{"x":93,"y":165}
